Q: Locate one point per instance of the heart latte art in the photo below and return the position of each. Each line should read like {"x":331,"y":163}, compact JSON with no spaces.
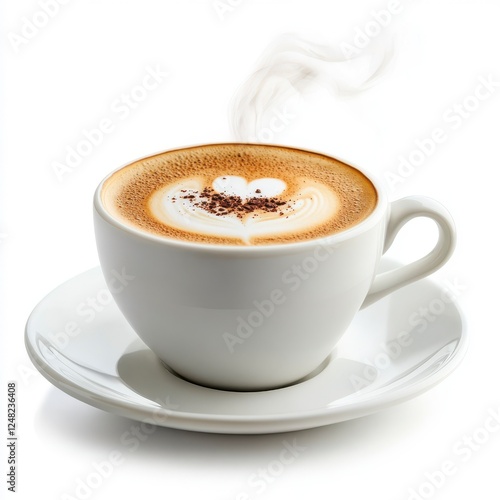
{"x":239,"y":194}
{"x":235,"y":208}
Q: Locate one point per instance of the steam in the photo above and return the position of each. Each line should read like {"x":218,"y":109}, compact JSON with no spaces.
{"x":289,"y":67}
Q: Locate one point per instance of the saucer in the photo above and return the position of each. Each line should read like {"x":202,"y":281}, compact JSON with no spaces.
{"x":394,"y":350}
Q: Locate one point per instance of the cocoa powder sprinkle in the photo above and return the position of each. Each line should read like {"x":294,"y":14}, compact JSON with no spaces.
{"x":221,"y":204}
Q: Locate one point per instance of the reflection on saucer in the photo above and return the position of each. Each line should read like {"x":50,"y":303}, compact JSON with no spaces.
{"x":144,"y":373}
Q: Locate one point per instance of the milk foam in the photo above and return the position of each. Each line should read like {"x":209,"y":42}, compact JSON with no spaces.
{"x":177,"y":205}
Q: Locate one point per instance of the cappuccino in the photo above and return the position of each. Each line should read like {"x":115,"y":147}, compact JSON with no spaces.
{"x":239,"y":194}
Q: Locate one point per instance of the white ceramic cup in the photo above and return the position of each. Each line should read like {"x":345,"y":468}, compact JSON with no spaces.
{"x":262,"y":317}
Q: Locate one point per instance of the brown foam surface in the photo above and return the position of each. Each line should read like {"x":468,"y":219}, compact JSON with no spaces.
{"x":126,"y":193}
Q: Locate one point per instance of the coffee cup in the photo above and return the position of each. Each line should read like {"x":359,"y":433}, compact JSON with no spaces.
{"x":246,"y":263}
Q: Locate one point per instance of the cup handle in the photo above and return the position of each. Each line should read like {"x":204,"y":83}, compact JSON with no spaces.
{"x":401,"y":211}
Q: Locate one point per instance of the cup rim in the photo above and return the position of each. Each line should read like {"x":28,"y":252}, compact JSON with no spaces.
{"x":331,"y":239}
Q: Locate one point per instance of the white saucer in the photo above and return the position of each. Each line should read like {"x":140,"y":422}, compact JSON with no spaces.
{"x":101,"y":361}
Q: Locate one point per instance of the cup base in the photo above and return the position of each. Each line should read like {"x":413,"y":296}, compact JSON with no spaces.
{"x":301,"y":380}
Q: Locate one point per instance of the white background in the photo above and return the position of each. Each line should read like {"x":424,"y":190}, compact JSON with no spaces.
{"x":65,"y":79}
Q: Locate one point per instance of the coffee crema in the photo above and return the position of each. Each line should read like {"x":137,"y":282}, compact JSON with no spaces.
{"x":239,"y":194}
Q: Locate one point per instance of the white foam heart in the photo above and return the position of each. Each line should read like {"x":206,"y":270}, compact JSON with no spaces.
{"x":313,"y":205}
